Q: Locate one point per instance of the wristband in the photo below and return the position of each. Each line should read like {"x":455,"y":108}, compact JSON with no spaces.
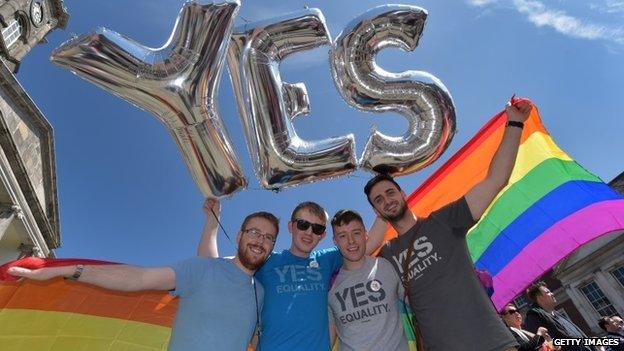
{"x":515,"y":124}
{"x":77,"y":272}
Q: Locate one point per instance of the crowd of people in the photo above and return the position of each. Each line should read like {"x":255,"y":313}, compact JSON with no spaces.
{"x":305,"y":299}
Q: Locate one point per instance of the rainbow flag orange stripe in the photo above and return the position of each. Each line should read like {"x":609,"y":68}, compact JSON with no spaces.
{"x":550,"y":207}
{"x":59,"y":315}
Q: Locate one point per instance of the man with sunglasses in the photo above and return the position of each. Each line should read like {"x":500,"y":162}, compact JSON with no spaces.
{"x":296,"y":283}
{"x":219,"y":298}
{"x":431,"y":255}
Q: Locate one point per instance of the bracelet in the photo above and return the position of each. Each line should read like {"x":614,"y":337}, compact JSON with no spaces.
{"x":515,"y":124}
{"x":77,"y":273}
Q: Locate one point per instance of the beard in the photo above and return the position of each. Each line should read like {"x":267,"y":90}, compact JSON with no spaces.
{"x":399,"y":215}
{"x":248,"y":259}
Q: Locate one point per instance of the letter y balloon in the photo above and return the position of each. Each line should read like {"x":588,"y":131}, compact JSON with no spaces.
{"x":177,"y":83}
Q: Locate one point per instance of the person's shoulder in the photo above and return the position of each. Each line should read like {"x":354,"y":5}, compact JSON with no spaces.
{"x":382,"y":262}
{"x":198,"y":260}
{"x":535,"y":310}
{"x":388,"y":246}
{"x":332,"y":251}
{"x":275,"y":258}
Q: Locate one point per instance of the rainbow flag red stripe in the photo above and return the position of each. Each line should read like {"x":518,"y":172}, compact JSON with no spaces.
{"x":550,"y":207}
{"x":61,"y":315}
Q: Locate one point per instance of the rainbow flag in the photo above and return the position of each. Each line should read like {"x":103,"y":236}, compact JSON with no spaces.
{"x":58,"y":315}
{"x":550,"y":207}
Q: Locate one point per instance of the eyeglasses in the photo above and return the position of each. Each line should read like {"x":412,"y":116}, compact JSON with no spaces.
{"x":256,"y":234}
{"x":510,"y":311}
{"x":302,"y":224}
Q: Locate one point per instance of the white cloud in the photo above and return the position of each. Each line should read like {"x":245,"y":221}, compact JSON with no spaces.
{"x":609,"y":6}
{"x":481,"y":2}
{"x":542,"y":16}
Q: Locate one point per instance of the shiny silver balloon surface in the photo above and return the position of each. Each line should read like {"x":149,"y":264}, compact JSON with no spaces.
{"x":177,"y":83}
{"x":267,"y":104}
{"x":419,"y":96}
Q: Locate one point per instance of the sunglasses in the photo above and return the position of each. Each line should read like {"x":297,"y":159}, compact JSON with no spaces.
{"x":510,"y":312}
{"x":302,"y":224}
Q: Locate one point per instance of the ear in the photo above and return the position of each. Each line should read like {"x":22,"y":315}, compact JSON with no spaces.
{"x":290,"y":226}
{"x":238,"y":238}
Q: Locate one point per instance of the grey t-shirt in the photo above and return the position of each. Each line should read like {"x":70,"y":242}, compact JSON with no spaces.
{"x":450,"y":304}
{"x":364,"y":307}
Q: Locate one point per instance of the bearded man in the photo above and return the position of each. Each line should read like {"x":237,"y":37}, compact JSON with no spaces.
{"x":219,"y":298}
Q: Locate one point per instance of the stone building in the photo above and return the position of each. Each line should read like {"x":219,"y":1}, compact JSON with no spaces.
{"x":29,"y":219}
{"x":590,"y":283}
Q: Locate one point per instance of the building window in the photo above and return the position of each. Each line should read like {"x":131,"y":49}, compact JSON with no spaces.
{"x":598,"y":300}
{"x":520,"y":301}
{"x":619,"y":275}
{"x":11,"y":33}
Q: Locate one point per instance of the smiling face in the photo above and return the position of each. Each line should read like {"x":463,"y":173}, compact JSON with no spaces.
{"x":388,"y":201}
{"x":351,"y":240}
{"x":305,"y":240}
{"x":254,"y":249}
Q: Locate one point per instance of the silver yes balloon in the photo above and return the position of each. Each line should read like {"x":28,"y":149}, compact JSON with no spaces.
{"x":267,"y":104}
{"x":419,"y":96}
{"x":177,"y":83}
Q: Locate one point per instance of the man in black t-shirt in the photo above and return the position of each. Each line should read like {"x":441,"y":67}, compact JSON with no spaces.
{"x":431,"y":255}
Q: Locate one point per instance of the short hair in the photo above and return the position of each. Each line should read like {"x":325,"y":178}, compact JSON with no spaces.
{"x":534,"y":290}
{"x":376,"y":179}
{"x":345,"y":216}
{"x":264,"y":215}
{"x":313,"y":207}
{"x":502,"y":312}
{"x":602,"y":322}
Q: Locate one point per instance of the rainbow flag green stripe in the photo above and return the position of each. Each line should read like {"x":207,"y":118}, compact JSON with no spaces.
{"x":520,"y":196}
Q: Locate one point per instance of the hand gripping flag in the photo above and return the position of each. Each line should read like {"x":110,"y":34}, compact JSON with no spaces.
{"x":550,"y":207}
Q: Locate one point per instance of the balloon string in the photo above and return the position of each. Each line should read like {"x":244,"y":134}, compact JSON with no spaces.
{"x":221,"y":226}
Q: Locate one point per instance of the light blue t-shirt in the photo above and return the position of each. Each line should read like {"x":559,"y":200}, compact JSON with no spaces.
{"x":217,"y":309}
{"x":295,"y":305}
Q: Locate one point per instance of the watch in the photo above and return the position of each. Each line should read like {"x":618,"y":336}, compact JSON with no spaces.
{"x":77,"y":272}
{"x":515,"y":124}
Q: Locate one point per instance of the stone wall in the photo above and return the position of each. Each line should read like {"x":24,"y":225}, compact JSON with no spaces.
{"x":27,"y":141}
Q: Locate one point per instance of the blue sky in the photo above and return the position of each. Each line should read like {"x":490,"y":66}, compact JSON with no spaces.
{"x":125,"y":194}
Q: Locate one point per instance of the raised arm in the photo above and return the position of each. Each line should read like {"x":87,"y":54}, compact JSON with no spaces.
{"x":109,"y":276}
{"x":208,"y":242}
{"x":376,"y":235}
{"x":482,"y":194}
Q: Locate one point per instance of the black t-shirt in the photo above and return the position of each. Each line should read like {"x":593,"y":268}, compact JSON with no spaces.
{"x":450,"y":304}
